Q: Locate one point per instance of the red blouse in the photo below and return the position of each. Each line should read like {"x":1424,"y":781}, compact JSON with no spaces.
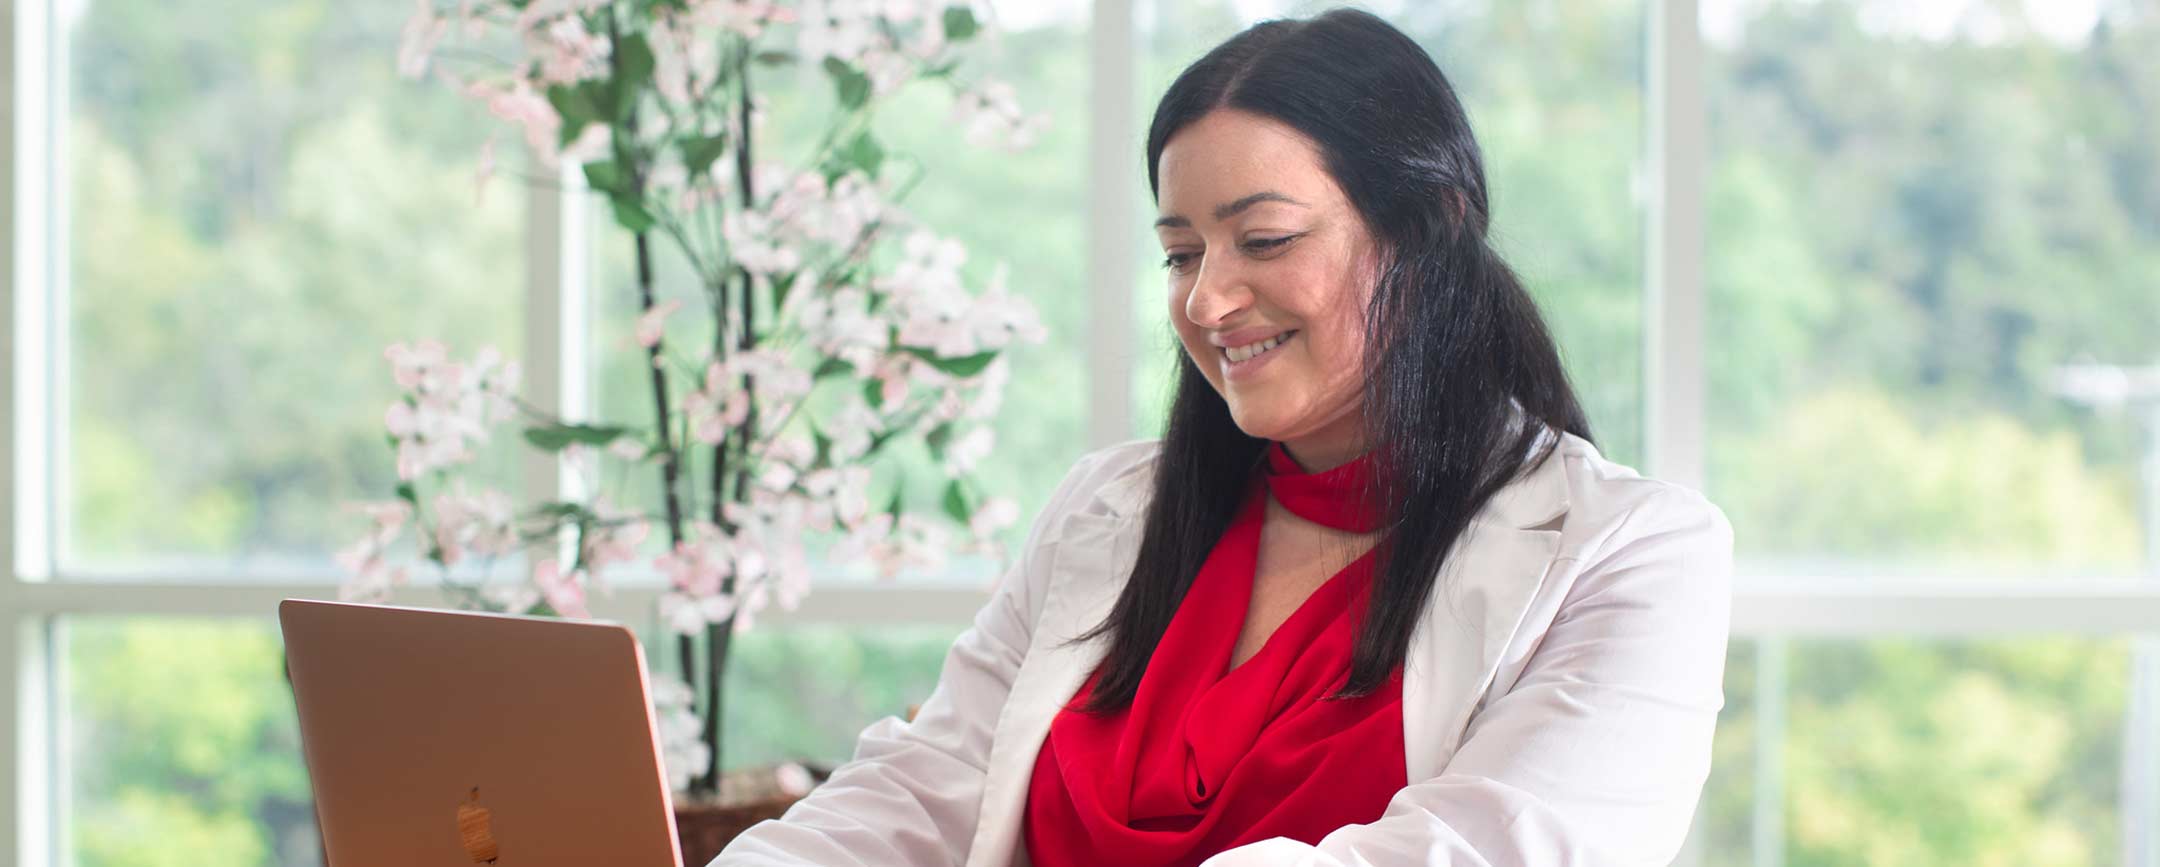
{"x":1208,"y":757}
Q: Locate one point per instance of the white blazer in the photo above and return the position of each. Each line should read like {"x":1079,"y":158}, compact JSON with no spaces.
{"x":1558,"y":698}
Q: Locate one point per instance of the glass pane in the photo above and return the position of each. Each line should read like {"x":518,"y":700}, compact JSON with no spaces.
{"x":256,"y":206}
{"x":803,"y":693}
{"x":1913,"y":751}
{"x":1555,"y":101}
{"x":1917,"y":214}
{"x":183,"y":746}
{"x":1025,"y":211}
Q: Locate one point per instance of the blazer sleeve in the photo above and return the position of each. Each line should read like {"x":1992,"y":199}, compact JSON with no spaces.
{"x":1598,"y":754}
{"x":912,"y":792}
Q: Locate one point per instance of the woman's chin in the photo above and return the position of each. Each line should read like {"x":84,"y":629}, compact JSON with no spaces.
{"x":1258,"y":423}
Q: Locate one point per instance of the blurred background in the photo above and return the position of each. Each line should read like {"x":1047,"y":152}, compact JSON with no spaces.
{"x":1881,"y":277}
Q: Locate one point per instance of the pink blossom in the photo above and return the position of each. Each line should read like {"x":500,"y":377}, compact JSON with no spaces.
{"x":990,"y":116}
{"x":743,"y":17}
{"x":683,"y":752}
{"x":518,"y":103}
{"x":961,"y":455}
{"x":653,"y":323}
{"x":371,"y":577}
{"x":568,"y":53}
{"x":408,"y":364}
{"x":753,"y":244}
{"x":833,"y":29}
{"x":486,"y":170}
{"x":687,"y":615}
{"x":480,"y":522}
{"x":417,"y":40}
{"x":562,"y":591}
{"x":629,"y":448}
{"x":698,"y":563}
{"x":615,"y":540}
{"x":996,"y":513}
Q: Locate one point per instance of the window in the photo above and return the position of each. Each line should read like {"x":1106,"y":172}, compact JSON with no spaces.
{"x":1916,"y":219}
{"x":1827,"y":258}
{"x":239,"y":233}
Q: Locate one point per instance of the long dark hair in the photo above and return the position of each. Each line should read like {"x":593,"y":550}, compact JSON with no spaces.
{"x":1453,"y":339}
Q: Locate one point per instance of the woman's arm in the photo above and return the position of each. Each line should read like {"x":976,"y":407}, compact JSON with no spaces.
{"x":912,"y":791}
{"x":1598,"y":754}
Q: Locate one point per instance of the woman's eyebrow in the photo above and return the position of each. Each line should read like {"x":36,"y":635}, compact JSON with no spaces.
{"x":1226,"y":211}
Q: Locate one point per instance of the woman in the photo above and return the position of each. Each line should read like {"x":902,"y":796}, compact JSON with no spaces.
{"x":1373,"y":598}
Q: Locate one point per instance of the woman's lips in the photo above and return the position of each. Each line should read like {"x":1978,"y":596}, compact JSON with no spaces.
{"x":1250,"y":365}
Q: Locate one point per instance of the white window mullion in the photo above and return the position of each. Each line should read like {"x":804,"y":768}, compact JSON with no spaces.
{"x":1110,"y":206}
{"x":2140,"y":807}
{"x":27,"y":786}
{"x":1767,"y":818}
{"x":556,"y":318}
{"x":1672,"y":273}
{"x":27,"y":819}
{"x":1676,"y":150}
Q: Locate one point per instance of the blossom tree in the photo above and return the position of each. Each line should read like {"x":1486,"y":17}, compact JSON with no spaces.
{"x":766,"y":434}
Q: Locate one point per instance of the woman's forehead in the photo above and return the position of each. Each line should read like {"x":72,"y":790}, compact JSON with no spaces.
{"x":1229,"y":155}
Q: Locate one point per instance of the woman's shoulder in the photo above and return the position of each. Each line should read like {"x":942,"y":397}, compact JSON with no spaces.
{"x":1106,"y":481}
{"x":1610,"y":503}
{"x":1120,"y":459}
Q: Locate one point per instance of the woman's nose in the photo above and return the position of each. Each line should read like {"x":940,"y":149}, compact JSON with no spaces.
{"x":1217,"y":293}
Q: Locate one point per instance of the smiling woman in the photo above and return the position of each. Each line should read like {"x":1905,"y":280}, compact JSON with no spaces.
{"x":1373,"y":596}
{"x":1289,"y":264}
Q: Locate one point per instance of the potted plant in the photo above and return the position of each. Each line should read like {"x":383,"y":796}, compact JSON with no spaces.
{"x":806,"y":358}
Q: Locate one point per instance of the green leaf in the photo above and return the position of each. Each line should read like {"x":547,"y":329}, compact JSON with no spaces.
{"x":562,"y":510}
{"x":699,"y":151}
{"x":606,"y":176}
{"x":633,"y":71}
{"x":873,"y":393}
{"x":861,"y":152}
{"x":774,"y":58}
{"x":831,"y":367}
{"x":574,"y":105}
{"x":962,"y":367}
{"x":631,"y":215}
{"x":852,"y":86}
{"x":780,"y":285}
{"x":633,"y":60}
{"x":956,"y":502}
{"x":899,"y":484}
{"x":959,"y":23}
{"x":556,"y":437}
{"x":405,"y":492}
{"x":824,"y":446}
{"x":601,"y":95}
{"x":937,"y":438}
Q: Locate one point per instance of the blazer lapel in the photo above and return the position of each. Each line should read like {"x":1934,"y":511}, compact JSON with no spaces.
{"x":1091,"y":559}
{"x":1486,"y":585}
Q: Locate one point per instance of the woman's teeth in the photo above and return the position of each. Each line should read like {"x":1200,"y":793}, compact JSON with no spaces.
{"x":1239,"y":354}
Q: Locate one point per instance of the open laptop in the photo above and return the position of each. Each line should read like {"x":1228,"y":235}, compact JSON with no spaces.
{"x":457,"y":738}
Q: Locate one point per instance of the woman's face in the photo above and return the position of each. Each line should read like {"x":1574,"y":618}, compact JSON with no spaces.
{"x":1270,"y":270}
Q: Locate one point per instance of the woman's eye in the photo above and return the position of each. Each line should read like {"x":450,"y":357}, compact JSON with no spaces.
{"x":1178,"y":261}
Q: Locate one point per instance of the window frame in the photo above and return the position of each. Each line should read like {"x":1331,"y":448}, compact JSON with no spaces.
{"x":1770,"y":609}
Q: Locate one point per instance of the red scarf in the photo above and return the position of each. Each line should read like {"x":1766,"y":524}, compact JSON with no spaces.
{"x":1208,"y":757}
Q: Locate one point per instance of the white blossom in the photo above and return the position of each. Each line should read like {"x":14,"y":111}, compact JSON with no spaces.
{"x":683,"y":752}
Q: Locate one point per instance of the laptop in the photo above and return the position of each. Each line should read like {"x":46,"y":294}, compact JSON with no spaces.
{"x":445,"y":738}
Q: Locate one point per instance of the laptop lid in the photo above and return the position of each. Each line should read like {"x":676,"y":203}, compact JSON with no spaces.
{"x":457,"y":738}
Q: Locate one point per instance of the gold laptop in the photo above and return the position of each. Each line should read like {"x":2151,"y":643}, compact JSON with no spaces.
{"x":445,"y":738}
